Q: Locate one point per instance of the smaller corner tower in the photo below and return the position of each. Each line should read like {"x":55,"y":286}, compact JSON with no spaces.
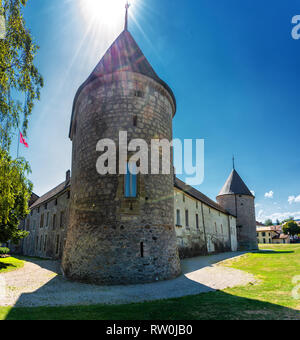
{"x":237,"y":199}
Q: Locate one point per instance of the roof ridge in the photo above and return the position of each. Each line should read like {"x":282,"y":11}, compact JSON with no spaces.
{"x":199,"y":195}
{"x":50,"y":194}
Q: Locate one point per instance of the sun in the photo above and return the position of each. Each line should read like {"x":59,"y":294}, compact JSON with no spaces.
{"x":105,"y":12}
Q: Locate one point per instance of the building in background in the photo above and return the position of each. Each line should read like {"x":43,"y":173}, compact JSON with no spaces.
{"x":271,"y":235}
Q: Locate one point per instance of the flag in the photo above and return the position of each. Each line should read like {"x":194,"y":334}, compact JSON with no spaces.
{"x":23,"y":141}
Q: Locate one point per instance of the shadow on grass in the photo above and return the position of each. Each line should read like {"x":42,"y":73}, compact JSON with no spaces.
{"x":209,"y":306}
{"x":6,"y":265}
{"x":273,"y":252}
{"x":213,"y":305}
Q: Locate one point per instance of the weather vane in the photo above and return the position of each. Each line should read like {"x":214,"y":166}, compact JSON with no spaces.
{"x":126,"y":15}
{"x":233,"y":162}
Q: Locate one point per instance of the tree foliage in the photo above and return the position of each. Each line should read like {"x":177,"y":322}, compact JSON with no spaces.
{"x":291,"y":218}
{"x":268,"y":223}
{"x":15,"y":192}
{"x":20,"y":81}
{"x":291,"y":228}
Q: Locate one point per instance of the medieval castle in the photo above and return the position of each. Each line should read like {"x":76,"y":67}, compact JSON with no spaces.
{"x":107,"y":230}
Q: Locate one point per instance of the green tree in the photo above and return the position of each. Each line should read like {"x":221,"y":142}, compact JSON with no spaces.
{"x":15,"y":191}
{"x":20,"y":81}
{"x":268,"y":223}
{"x":291,"y":218}
{"x":291,"y":228}
{"x":277,"y":222}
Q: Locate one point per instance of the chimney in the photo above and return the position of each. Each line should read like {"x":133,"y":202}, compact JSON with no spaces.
{"x":68,"y":177}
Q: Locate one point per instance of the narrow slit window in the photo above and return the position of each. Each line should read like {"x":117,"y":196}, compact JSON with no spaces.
{"x":41,"y":243}
{"x":57,"y":244}
{"x":142,"y":249}
{"x":178,"y":222}
{"x":45,"y":243}
{"x":131,"y":181}
{"x":187,"y":218}
{"x":54,"y":222}
{"x":135,"y":120}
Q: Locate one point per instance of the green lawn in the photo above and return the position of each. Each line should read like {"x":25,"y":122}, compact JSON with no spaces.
{"x":271,"y":298}
{"x":9,"y":264}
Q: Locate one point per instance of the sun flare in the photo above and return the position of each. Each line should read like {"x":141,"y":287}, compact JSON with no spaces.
{"x":105,"y":12}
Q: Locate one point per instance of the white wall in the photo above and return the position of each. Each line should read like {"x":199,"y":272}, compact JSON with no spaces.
{"x":217,"y":231}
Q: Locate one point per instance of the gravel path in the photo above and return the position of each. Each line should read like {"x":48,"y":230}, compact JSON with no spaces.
{"x":39,"y":283}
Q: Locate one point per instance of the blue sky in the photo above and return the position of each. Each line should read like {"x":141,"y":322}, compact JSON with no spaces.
{"x":232,"y":64}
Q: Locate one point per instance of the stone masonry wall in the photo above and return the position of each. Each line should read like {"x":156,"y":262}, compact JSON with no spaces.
{"x":47,"y":240}
{"x":111,"y":239}
{"x":243,"y":207}
{"x":215,"y":232}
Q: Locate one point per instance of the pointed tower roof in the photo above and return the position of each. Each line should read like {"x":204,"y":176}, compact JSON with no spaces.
{"x":123,"y":55}
{"x":235,"y":186}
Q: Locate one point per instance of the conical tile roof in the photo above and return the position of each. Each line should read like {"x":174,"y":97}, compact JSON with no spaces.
{"x":235,"y":186}
{"x":123,"y":55}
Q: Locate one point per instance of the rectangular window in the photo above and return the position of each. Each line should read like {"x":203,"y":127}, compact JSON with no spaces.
{"x":57,"y":244}
{"x":187,"y":218}
{"x":135,"y":119}
{"x":54,"y":222}
{"x":183,"y":198}
{"x":222,"y":229}
{"x":178,"y":221}
{"x":131,"y":181}
{"x":47,"y":220}
{"x":61,"y":224}
{"x":197,"y":221}
{"x":41,"y":242}
{"x":45,"y":243}
{"x":42,"y":221}
{"x":142,"y":249}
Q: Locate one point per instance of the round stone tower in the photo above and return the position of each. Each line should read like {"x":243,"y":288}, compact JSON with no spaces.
{"x":120,"y":232}
{"x":238,"y":200}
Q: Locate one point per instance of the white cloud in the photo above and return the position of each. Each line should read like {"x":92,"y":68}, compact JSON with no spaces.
{"x":261,"y":217}
{"x":269,"y":194}
{"x":294,"y":199}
